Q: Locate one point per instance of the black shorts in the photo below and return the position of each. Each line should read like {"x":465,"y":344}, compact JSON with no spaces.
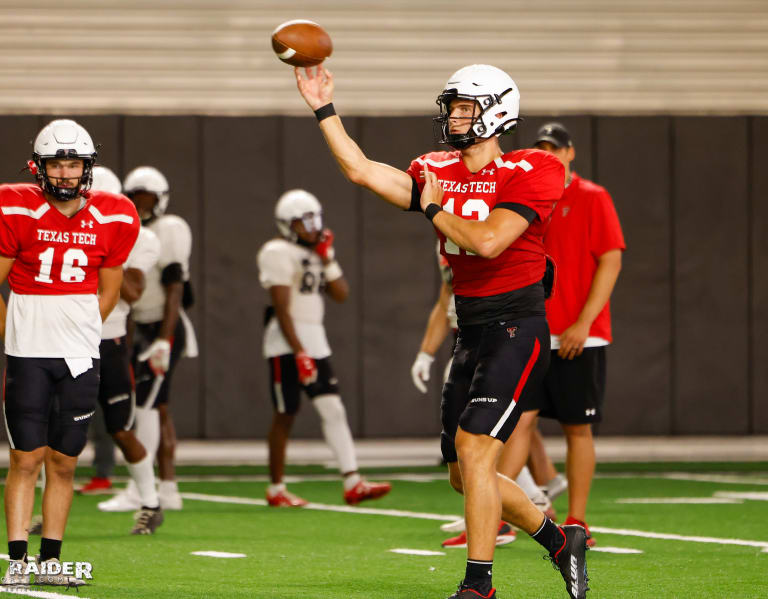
{"x":573,"y":390}
{"x":496,"y":367}
{"x":116,"y":395}
{"x":285,"y":387}
{"x":148,"y":390}
{"x":44,"y":405}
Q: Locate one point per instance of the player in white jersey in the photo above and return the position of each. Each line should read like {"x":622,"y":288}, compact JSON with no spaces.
{"x":298,"y":268}
{"x":116,"y":394}
{"x":62,"y":248}
{"x":162,"y":334}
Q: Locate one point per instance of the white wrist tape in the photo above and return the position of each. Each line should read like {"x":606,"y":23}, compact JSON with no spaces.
{"x":332,"y":271}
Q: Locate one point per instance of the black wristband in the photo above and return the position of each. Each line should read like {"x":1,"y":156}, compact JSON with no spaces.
{"x":432,"y":210}
{"x":325,"y":111}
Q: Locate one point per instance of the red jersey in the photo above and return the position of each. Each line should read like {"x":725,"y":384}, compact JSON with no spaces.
{"x":584,"y":226}
{"x":530,"y":178}
{"x":60,"y":255}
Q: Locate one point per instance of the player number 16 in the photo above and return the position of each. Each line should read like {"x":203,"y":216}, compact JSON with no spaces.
{"x":70,"y":273}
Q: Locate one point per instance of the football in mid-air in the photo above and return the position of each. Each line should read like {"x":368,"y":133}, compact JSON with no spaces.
{"x":301,"y":43}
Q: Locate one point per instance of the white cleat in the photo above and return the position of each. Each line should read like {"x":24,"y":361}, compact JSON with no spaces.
{"x":127,"y":500}
{"x":556,"y":487}
{"x":15,"y":574}
{"x":51,"y":574}
{"x":457,"y":526}
{"x":168,"y":493}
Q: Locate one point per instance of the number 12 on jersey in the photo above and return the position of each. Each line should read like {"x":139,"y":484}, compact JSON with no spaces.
{"x":70,"y":273}
{"x":473,"y":207}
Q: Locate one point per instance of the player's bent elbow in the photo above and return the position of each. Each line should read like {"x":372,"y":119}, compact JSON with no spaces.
{"x":489,"y":248}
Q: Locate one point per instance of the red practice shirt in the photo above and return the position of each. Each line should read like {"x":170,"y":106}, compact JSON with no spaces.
{"x":59,"y":255}
{"x":583,"y":227}
{"x":530,"y":178}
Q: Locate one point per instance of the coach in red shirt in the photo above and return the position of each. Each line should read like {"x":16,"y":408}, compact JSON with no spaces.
{"x":585,"y":240}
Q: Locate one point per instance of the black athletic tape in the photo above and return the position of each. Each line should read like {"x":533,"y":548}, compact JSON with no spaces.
{"x":415,"y":197}
{"x":432,"y":210}
{"x":171,"y":274}
{"x":325,"y":111}
{"x":526,"y":212}
{"x":188,"y":296}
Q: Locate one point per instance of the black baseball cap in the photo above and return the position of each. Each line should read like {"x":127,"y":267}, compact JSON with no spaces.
{"x":554,"y":133}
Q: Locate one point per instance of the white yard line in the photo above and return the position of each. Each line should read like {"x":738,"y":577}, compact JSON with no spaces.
{"x":626,"y":532}
{"x":681,"y":500}
{"x":447,"y":518}
{"x":754,"y":495}
{"x":40,"y":594}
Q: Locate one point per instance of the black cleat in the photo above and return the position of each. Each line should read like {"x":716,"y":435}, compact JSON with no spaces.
{"x":571,"y":560}
{"x":465,"y":592}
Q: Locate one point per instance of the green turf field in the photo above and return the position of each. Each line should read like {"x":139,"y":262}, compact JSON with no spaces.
{"x":320,"y":554}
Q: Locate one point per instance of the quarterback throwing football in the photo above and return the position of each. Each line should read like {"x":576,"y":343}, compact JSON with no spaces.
{"x":489,"y":210}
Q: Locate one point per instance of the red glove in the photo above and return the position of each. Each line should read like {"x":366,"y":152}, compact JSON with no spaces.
{"x":324,"y":247}
{"x":307,"y":368}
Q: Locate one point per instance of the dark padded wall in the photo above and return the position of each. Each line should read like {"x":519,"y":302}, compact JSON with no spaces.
{"x":759,"y":242}
{"x":689,"y":312}
{"x":399,"y":287}
{"x":639,"y":378}
{"x":710,"y":270}
{"x":173,"y":145}
{"x":241,"y":165}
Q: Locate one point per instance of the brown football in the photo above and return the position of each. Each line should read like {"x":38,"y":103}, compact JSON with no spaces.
{"x":301,"y":43}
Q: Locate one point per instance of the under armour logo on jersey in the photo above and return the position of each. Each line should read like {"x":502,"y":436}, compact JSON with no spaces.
{"x":591,"y":412}
{"x":566,"y":210}
{"x":511,"y":331}
{"x":86,"y":223}
{"x":487,"y":171}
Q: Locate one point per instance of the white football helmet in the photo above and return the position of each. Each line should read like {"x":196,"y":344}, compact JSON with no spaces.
{"x":497,"y":98}
{"x":63,"y":138}
{"x":151,"y":180}
{"x":105,"y":180}
{"x":298,"y":204}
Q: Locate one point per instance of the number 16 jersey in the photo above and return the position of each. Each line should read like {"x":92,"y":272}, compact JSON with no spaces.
{"x":53,"y":309}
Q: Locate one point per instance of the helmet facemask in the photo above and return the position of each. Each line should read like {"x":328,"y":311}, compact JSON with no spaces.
{"x":311,"y":221}
{"x":64,"y":194}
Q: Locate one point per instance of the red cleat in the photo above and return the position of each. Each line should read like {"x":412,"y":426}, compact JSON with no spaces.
{"x":96,"y":486}
{"x":285,"y":499}
{"x":505,"y":535}
{"x":366,"y":490}
{"x":590,"y":541}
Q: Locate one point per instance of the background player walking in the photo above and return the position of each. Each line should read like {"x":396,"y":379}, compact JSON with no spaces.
{"x":298,"y":269}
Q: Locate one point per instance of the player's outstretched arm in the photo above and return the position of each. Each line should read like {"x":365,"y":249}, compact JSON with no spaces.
{"x":391,"y":184}
{"x":487,"y":238}
{"x":110,"y":280}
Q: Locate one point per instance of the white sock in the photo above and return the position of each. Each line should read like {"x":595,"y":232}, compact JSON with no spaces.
{"x":143,"y":474}
{"x":333,"y":418}
{"x":167,"y":487}
{"x":148,"y":430}
{"x":274,"y":489}
{"x":529,"y":486}
{"x":351,"y":480}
